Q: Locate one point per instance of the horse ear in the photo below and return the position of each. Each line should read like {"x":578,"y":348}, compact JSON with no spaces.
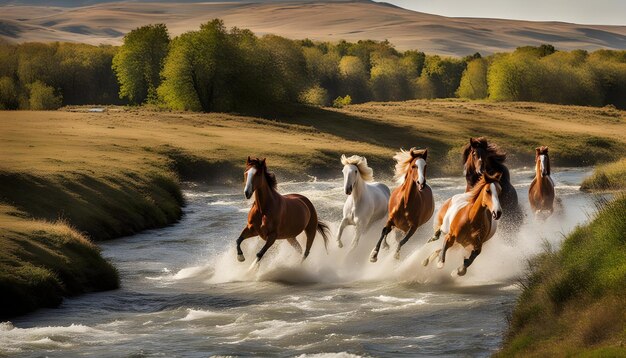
{"x":263,"y":161}
{"x":425,"y":155}
{"x":248,"y":159}
{"x":497,"y":177}
{"x":473,"y":142}
{"x":344,"y":159}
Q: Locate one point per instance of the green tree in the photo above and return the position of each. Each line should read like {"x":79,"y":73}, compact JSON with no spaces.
{"x":515,"y":77}
{"x":139,"y":62}
{"x":42,"y":97}
{"x":8,"y":93}
{"x":445,"y":74}
{"x":474,"y":80}
{"x":354,"y":78}
{"x":199,"y":70}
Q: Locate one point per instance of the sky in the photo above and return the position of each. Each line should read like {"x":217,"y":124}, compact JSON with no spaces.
{"x":597,"y":12}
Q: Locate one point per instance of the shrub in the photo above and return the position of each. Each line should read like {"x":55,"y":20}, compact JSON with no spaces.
{"x":315,"y":96}
{"x":42,"y":97}
{"x":340,"y":102}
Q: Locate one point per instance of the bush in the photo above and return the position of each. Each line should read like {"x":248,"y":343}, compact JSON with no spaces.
{"x":315,"y":96}
{"x":42,"y":97}
{"x":8,"y":93}
{"x":340,"y":102}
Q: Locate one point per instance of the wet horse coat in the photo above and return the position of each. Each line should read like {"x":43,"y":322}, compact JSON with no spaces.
{"x":274,"y":216}
{"x":541,"y":192}
{"x":469,"y":219}
{"x":412,"y":203}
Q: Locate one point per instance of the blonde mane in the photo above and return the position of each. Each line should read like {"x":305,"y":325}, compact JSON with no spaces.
{"x":366,"y":172}
{"x":403,"y":160}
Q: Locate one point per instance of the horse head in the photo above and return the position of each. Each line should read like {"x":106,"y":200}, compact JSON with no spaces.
{"x":541,"y":156}
{"x":417,"y":170}
{"x":254,"y":175}
{"x":475,"y":155}
{"x":350,"y":174}
{"x":490,"y":194}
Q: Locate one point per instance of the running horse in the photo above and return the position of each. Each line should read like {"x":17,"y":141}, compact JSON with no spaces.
{"x":480,"y":156}
{"x":367,"y":200}
{"x":274,"y":216}
{"x":412,"y":203}
{"x":541,"y":191}
{"x":469,"y":219}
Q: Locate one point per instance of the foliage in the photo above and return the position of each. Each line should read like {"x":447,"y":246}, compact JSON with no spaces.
{"x":139,"y":62}
{"x":42,"y":97}
{"x":474,"y":80}
{"x":611,"y":176}
{"x":315,"y":96}
{"x":341,"y":102}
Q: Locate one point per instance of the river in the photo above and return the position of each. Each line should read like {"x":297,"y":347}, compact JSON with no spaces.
{"x":183,"y":292}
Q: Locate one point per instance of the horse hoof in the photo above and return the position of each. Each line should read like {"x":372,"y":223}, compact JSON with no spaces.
{"x":397,"y":255}
{"x":385,"y":246}
{"x":440,"y":264}
{"x":461,"y":271}
{"x":373,"y":258}
{"x":240,"y":258}
{"x":425,"y":262}
{"x":340,"y":244}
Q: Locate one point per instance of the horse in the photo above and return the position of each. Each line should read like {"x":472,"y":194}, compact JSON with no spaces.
{"x":469,"y":219}
{"x":480,"y":156}
{"x":367,"y":200}
{"x":412,"y":203}
{"x":541,"y":191}
{"x":274,"y":216}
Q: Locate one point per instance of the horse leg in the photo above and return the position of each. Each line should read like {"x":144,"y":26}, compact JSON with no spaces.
{"x":295,"y":244}
{"x":344,"y":223}
{"x":435,"y":236}
{"x":386,"y":231}
{"x":448,"y":242}
{"x":403,"y":241}
{"x":357,"y":237}
{"x":271,"y":238}
{"x":246,"y":233}
{"x":468,"y":261}
{"x":431,"y":257}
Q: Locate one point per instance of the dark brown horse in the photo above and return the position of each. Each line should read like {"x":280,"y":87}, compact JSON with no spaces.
{"x":274,"y":216}
{"x":480,"y":156}
{"x":412,"y":203}
{"x":541,"y":191}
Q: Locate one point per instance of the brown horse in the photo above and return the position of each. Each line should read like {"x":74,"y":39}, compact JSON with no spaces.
{"x":480,"y":156}
{"x":541,"y":191}
{"x":412,"y":203}
{"x":274,"y":216}
{"x":469,"y":219}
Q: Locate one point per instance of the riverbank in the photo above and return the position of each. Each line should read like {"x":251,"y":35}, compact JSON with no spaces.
{"x":573,"y":299}
{"x":115,"y":173}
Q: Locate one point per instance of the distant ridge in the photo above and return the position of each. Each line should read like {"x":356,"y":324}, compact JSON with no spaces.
{"x":97,"y":21}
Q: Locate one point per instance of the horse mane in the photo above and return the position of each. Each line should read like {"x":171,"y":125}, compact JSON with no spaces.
{"x":269,"y":176}
{"x":360,"y":162}
{"x":494,"y":152}
{"x":403,"y":160}
{"x":543,"y":150}
{"x":484,"y":180}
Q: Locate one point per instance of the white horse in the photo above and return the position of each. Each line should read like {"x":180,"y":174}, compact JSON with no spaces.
{"x":367,"y":201}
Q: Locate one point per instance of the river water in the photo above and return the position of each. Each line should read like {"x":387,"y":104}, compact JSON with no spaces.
{"x":183,"y":292}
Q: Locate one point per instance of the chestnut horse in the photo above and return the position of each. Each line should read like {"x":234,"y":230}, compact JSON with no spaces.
{"x":480,"y":156}
{"x":274,"y":216}
{"x":470,"y":220}
{"x":541,"y":191}
{"x":412,"y":203}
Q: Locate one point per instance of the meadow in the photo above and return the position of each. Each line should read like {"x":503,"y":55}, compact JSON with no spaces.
{"x":104,"y":175}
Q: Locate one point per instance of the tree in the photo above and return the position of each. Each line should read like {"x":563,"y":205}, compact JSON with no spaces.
{"x":42,"y":97}
{"x":388,"y":80}
{"x":198,"y":70}
{"x":354,"y":78}
{"x":445,"y":74}
{"x":139,"y":62}
{"x":8,"y":93}
{"x":474,"y":80}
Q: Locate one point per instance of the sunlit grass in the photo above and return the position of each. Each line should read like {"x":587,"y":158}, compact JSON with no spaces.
{"x":574,"y":300}
{"x":608,"y":177}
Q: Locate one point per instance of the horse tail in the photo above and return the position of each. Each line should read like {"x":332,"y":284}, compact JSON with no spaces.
{"x":324,"y":230}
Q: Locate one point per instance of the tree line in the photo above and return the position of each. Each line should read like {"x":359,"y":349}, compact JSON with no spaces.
{"x":220,"y":69}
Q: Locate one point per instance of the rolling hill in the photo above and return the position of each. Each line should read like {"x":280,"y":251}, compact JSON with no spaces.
{"x":96,"y":22}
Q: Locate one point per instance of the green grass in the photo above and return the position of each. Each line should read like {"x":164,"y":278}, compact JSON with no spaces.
{"x":574,"y":300}
{"x":607,"y":177}
{"x":41,"y":262}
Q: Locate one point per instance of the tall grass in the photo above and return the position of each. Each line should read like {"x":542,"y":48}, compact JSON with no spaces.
{"x":574,"y":300}
{"x":607,"y":177}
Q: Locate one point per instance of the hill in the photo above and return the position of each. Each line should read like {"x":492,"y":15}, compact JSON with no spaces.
{"x":98,"y":22}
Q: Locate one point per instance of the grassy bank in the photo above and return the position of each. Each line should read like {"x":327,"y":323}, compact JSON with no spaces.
{"x":115,"y":173}
{"x":573,"y":301}
{"x":41,"y":261}
{"x":607,"y":177}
